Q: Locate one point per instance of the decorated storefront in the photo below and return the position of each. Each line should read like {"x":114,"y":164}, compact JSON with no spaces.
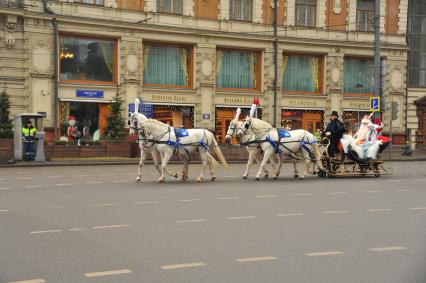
{"x":174,"y":115}
{"x":307,"y":119}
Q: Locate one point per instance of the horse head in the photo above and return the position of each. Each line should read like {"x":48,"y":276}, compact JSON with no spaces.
{"x":133,"y":124}
{"x":233,"y":129}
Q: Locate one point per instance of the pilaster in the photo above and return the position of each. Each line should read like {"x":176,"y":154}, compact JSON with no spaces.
{"x":321,"y":11}
{"x":258,"y":11}
{"x":223,"y":10}
{"x":352,"y":15}
{"x":402,"y":15}
{"x":290,"y":11}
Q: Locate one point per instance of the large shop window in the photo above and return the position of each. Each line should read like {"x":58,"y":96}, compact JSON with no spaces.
{"x":302,"y":74}
{"x":240,"y":10}
{"x":237,"y":69}
{"x":169,"y":6}
{"x":365,"y":15}
{"x":93,"y":2}
{"x":306,"y":13}
{"x":352,"y":120}
{"x":175,"y":115}
{"x":167,"y":65}
{"x":310,"y":120}
{"x":87,"y":59}
{"x":417,"y":39}
{"x":358,"y":76}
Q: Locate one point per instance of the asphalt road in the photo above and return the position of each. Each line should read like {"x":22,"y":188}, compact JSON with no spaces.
{"x":95,"y":224}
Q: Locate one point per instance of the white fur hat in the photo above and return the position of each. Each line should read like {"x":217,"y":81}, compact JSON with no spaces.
{"x":237,"y":115}
{"x":252,"y":110}
{"x":137,"y":102}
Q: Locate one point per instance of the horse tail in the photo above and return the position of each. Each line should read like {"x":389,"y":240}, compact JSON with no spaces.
{"x":219,"y":153}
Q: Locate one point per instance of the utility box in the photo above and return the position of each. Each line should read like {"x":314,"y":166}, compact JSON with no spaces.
{"x":37,"y":120}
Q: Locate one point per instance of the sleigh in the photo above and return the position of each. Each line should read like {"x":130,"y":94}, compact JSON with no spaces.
{"x":351,"y":164}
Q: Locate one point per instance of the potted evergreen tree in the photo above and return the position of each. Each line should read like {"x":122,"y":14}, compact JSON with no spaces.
{"x":116,"y":132}
{"x":6,"y":128}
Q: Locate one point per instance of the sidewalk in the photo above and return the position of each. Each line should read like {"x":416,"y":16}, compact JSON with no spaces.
{"x":394,"y":155}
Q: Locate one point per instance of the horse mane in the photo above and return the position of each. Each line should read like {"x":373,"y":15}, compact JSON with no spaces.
{"x":156,"y":122}
{"x":257,"y":123}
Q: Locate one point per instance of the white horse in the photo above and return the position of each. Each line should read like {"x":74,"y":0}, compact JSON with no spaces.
{"x":146,"y":147}
{"x":169,"y":140}
{"x":297,"y":145}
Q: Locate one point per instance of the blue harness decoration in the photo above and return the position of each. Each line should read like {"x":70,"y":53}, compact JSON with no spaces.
{"x":181,"y":132}
{"x":274,"y":144}
{"x":283,"y":133}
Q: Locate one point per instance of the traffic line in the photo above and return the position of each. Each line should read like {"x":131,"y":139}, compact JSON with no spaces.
{"x":338,"y":193}
{"x":33,"y":187}
{"x":24,"y":178}
{"x":107,"y":174}
{"x":393,"y":180}
{"x":289,"y":214}
{"x":78,"y":176}
{"x":419,"y":180}
{"x":183,"y":265}
{"x":336,"y":212}
{"x":56,"y":207}
{"x":54,"y":177}
{"x":379,"y":209}
{"x":46,"y":231}
{"x":226,"y":198}
{"x":30,"y":281}
{"x":405,"y":190}
{"x":190,"y":221}
{"x":147,"y":202}
{"x":110,"y":226}
{"x":4,"y":189}
{"x":240,"y":217}
{"x":189,"y":200}
{"x":107,"y":273}
{"x":75,"y":229}
{"x":4,"y":210}
{"x":121,"y":181}
{"x":254,"y":259}
{"x":101,"y":204}
{"x":302,"y":194}
{"x":65,"y":184}
{"x":372,"y":191}
{"x":94,"y":182}
{"x":387,"y":249}
{"x":418,"y":208}
{"x":267,"y":196}
{"x":331,"y":253}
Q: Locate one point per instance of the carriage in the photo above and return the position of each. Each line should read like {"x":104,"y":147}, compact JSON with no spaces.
{"x":351,"y":164}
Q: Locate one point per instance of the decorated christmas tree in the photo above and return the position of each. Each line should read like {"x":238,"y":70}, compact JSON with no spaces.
{"x":6,"y":126}
{"x":115,"y":127}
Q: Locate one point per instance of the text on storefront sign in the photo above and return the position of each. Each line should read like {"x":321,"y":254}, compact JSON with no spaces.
{"x":90,"y":93}
{"x":169,"y":98}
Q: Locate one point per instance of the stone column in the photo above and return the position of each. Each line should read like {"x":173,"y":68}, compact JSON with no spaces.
{"x":334,"y":81}
{"x":267,"y":101}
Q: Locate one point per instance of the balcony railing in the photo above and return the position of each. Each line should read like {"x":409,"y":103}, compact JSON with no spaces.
{"x":12,"y":3}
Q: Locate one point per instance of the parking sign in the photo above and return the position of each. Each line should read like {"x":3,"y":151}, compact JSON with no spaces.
{"x":375,"y":103}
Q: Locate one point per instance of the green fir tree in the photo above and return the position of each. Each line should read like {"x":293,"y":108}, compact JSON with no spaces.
{"x":6,"y":126}
{"x":115,"y":128}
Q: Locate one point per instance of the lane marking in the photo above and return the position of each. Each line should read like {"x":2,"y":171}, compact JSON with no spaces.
{"x":366,"y":181}
{"x":75,"y":229}
{"x":56,"y":207}
{"x":147,"y":202}
{"x":77,"y":176}
{"x":107,"y":273}
{"x":30,"y":281}
{"x":335,"y":211}
{"x":331,"y":253}
{"x":110,"y":226}
{"x":25,"y":178}
{"x":267,"y":196}
{"x":253,"y":259}
{"x":379,"y":209}
{"x":189,"y":200}
{"x":405,"y":190}
{"x":419,"y":180}
{"x":240,"y":217}
{"x":101,"y":204}
{"x":229,"y":176}
{"x":183,"y":265}
{"x":4,"y":210}
{"x":302,"y":194}
{"x":338,"y":193}
{"x":65,"y":184}
{"x":54,"y":177}
{"x":387,"y":249}
{"x":107,"y":174}
{"x":290,"y":214}
{"x":393,"y":180}
{"x":46,"y":231}
{"x":33,"y":187}
{"x":418,"y":208}
{"x":121,"y":181}
{"x":226,"y":198}
{"x":190,"y":221}
{"x":366,"y":192}
{"x":4,"y":189}
{"x":94,"y":182}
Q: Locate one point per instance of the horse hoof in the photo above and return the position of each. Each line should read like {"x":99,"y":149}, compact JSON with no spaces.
{"x":160,"y":181}
{"x":266,"y":176}
{"x":301,"y":178}
{"x":199,"y":180}
{"x":274,"y":178}
{"x":213,"y":178}
{"x":138,"y":179}
{"x":176,"y":175}
{"x":257,"y":179}
{"x":296,"y":176}
{"x":244,"y":178}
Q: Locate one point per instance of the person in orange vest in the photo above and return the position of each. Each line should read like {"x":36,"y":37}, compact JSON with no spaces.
{"x":28,"y":138}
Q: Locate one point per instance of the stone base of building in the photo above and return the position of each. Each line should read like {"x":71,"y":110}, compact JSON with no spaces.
{"x":6,"y":150}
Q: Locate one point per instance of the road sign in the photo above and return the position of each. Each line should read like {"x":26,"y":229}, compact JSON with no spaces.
{"x":374,"y":103}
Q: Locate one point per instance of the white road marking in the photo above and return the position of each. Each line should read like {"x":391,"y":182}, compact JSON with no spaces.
{"x":25,"y":178}
{"x":94,"y":182}
{"x":56,"y":207}
{"x":107,"y":273}
{"x":325,"y":253}
{"x":121,"y":181}
{"x":75,"y":229}
{"x":240,"y":217}
{"x":302,"y":194}
{"x":229,"y":176}
{"x":65,"y":184}
{"x":110,"y":226}
{"x":190,"y":221}
{"x":366,"y":181}
{"x":419,"y":180}
{"x":393,"y":180}
{"x":4,"y":189}
{"x":189,"y":200}
{"x":108,"y":174}
{"x":4,"y":210}
{"x":289,"y":214}
{"x":335,"y":211}
{"x":147,"y":202}
{"x":267,"y":196}
{"x":183,"y":265}
{"x":253,"y":259}
{"x":30,"y":281}
{"x":338,"y":193}
{"x":418,"y":208}
{"x":78,"y":176}
{"x":387,"y":249}
{"x":46,"y":231}
{"x":379,"y":209}
{"x":372,"y":191}
{"x":101,"y":204}
{"x":33,"y":187}
{"x":54,"y":177}
{"x":407,"y":190}
{"x":225,"y":198}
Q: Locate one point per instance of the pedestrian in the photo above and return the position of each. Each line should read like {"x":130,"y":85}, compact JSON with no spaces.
{"x":334,"y":131}
{"x":28,"y":138}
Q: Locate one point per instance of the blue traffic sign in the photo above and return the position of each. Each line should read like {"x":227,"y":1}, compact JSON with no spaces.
{"x":374,"y":103}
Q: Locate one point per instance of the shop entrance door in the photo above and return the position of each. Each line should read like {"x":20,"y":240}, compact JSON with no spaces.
{"x":224,"y":119}
{"x":311,"y":122}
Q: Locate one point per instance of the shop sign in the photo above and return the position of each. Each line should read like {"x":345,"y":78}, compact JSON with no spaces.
{"x":168,"y":98}
{"x":303,"y":103}
{"x":206,"y":116}
{"x":238,"y":101}
{"x":90,"y":93}
{"x":359,"y":105}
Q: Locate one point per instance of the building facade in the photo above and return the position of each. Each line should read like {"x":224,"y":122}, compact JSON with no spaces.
{"x":193,"y":62}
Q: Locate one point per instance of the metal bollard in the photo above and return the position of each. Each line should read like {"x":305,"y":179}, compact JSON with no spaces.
{"x":40,"y":157}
